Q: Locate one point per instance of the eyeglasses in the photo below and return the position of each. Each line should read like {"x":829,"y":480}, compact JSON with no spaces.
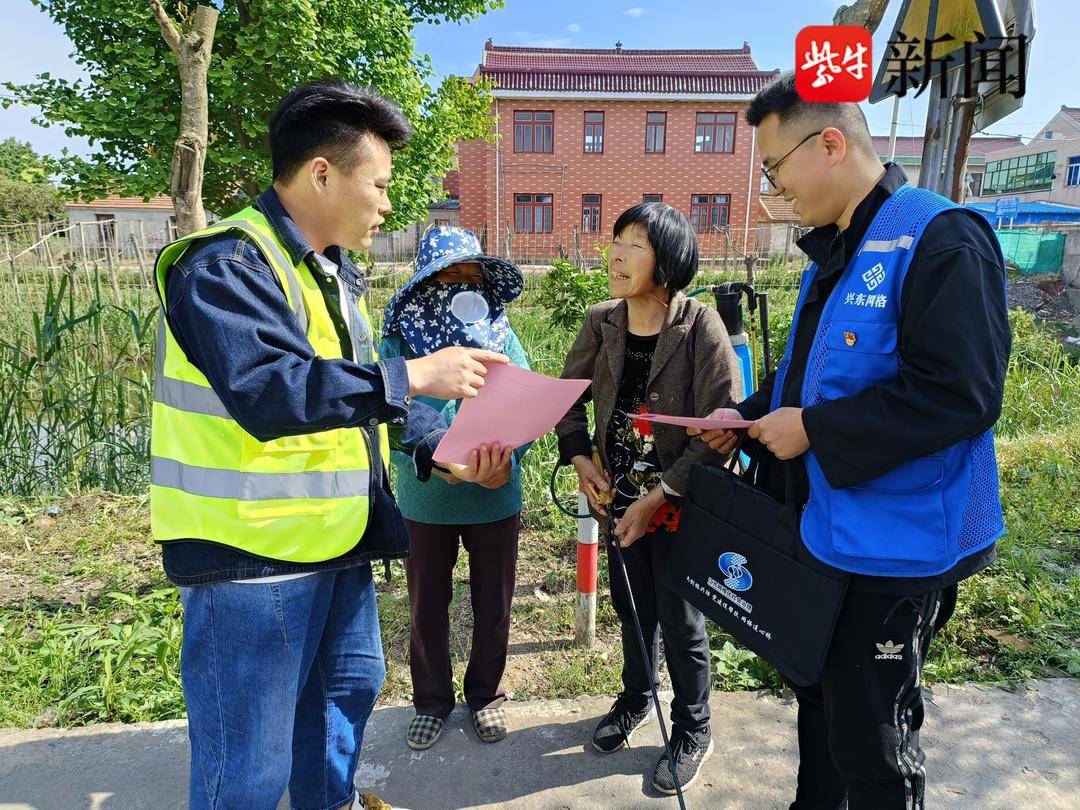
{"x":768,"y":171}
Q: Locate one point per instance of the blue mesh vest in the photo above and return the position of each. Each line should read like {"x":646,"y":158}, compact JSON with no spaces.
{"x":920,"y":518}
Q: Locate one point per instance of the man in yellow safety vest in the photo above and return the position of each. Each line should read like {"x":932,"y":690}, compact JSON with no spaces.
{"x":269,"y":492}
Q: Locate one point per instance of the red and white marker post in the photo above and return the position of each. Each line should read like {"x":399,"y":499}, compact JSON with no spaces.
{"x":587,"y":571}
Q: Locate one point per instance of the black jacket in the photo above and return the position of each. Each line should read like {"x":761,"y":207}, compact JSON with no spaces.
{"x":955,"y":339}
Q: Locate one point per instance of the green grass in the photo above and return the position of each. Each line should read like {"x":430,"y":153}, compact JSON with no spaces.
{"x":113,"y":655}
{"x":90,"y":628}
{"x":119,"y":661}
{"x":1021,"y":617}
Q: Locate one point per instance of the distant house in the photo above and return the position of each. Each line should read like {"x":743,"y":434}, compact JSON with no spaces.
{"x":909,"y":151}
{"x":778,"y":226}
{"x":112,"y":221}
{"x":1045,"y":169}
{"x":1028,"y":214}
{"x":587,"y":133}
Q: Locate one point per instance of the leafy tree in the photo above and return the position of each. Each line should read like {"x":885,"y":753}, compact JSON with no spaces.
{"x":28,"y":202}
{"x":19,"y":161}
{"x":127,"y":105}
{"x":25,"y":194}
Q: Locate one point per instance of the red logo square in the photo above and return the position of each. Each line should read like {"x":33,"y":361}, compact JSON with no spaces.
{"x":833,"y":63}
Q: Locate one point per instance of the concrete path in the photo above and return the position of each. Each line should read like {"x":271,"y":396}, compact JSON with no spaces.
{"x":986,"y":748}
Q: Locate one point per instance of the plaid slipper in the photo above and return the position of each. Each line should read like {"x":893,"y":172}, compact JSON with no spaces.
{"x":424,"y":731}
{"x":490,"y":724}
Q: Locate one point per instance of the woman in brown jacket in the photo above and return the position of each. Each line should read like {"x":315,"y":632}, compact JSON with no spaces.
{"x":651,"y":349}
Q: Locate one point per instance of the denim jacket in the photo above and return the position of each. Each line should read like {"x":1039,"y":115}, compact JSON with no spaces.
{"x":230,"y":316}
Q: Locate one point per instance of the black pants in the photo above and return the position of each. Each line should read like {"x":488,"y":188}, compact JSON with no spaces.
{"x":859,"y":726}
{"x":686,"y":645}
{"x":492,"y":550}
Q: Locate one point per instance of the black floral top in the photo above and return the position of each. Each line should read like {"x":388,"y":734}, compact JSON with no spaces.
{"x":631,"y":449}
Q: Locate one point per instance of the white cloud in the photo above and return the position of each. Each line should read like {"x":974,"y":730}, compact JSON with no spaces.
{"x":573,"y":28}
{"x":634,"y":12}
{"x":530,"y":40}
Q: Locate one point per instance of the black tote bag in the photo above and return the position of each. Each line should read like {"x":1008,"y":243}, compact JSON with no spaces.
{"x":738,"y":558}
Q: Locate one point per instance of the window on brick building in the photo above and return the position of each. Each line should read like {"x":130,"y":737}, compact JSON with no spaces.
{"x":715,"y":132}
{"x":532,"y":213}
{"x":533,"y":131}
{"x":655,"y":132}
{"x":590,"y":213}
{"x":651,"y":198}
{"x":709,"y":212}
{"x":594,"y":132}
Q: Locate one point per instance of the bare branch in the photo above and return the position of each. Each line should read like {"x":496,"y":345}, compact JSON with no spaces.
{"x":168,"y":28}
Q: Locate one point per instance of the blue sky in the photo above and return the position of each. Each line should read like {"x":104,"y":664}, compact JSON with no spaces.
{"x":769,"y":26}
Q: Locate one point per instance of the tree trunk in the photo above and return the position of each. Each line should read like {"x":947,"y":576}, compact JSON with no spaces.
{"x":960,"y":138}
{"x":192,"y":45}
{"x":864,"y":13}
{"x":937,"y":122}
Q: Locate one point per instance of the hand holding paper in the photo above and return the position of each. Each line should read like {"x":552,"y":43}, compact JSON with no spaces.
{"x":720,"y":434}
{"x":514,"y":407}
{"x":488,"y":466}
{"x":720,"y":419}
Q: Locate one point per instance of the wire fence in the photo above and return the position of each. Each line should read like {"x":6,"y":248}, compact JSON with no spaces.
{"x":119,"y":255}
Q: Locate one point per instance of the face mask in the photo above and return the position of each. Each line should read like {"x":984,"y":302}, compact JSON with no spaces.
{"x":439,"y":315}
{"x":469,"y":306}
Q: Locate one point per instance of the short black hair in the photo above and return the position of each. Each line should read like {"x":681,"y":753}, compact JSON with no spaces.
{"x":781,"y":97}
{"x":672,"y":239}
{"x":329,"y":117}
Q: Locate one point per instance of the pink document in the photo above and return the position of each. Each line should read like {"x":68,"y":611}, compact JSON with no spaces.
{"x":514,"y":407}
{"x":694,"y":421}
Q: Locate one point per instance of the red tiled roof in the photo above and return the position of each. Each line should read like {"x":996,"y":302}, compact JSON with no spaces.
{"x":160,"y":202}
{"x":912,"y":146}
{"x":704,"y":72}
{"x":572,"y":60}
{"x":777,"y":209}
{"x":1072,"y":112}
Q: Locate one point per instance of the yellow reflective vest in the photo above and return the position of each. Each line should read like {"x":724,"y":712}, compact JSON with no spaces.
{"x":298,"y":499}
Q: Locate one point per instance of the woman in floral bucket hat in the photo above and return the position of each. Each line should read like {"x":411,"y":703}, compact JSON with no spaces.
{"x":457,"y":297}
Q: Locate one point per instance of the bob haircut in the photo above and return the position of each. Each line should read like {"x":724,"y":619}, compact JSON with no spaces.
{"x":672,"y":239}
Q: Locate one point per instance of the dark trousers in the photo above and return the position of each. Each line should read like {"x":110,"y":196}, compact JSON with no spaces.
{"x":492,"y":550}
{"x":686,"y":645}
{"x":859,"y":726}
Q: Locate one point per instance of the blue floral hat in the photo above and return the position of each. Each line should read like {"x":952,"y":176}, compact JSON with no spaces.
{"x":431,"y":316}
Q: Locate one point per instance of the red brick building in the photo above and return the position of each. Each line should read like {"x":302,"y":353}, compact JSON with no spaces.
{"x":585,"y":134}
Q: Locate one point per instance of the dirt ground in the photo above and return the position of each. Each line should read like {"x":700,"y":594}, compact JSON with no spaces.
{"x":58,"y":555}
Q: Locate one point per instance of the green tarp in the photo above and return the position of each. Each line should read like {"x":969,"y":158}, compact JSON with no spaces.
{"x":1033,"y":251}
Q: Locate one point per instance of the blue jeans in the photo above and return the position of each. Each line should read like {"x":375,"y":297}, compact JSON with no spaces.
{"x":279,"y":679}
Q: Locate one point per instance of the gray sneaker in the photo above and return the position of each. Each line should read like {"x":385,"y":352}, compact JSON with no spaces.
{"x":689,"y":755}
{"x":617,"y":726}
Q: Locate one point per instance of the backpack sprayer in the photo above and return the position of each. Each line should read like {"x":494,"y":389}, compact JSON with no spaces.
{"x":728,"y":297}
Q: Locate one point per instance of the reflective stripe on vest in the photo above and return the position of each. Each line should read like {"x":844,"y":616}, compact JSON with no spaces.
{"x":919,"y":518}
{"x":299,"y":498}
{"x":181,"y":395}
{"x":246,"y":486}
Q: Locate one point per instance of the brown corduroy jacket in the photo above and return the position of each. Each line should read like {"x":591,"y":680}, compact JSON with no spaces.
{"x":694,"y":370}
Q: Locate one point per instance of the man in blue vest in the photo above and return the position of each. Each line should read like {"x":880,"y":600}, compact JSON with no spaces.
{"x":878,"y":420}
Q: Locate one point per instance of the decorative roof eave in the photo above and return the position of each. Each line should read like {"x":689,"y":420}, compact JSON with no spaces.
{"x":557,"y":95}
{"x":741,"y":82}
